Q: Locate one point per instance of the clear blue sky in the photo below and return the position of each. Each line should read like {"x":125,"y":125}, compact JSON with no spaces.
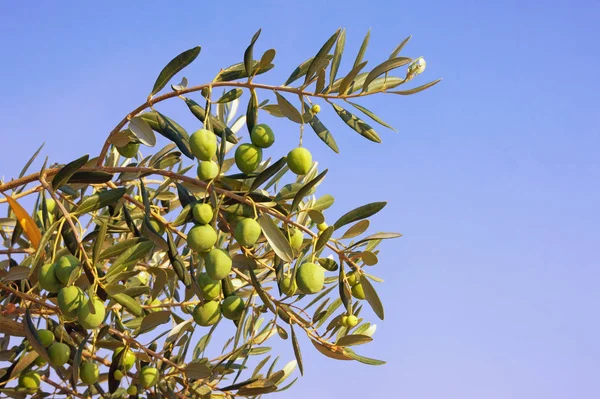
{"x":493,"y":177}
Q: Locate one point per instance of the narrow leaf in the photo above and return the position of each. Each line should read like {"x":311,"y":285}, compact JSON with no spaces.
{"x":322,"y":132}
{"x":363,"y":49}
{"x":288,"y":109}
{"x":63,"y":175}
{"x":100,"y":200}
{"x":173,"y":67}
{"x":324,"y":237}
{"x":371,"y":115}
{"x":297,"y":352}
{"x":230,"y":96}
{"x":301,"y":70}
{"x":357,"y":124}
{"x":350,"y":340}
{"x":348,"y":79}
{"x":362,"y":212}
{"x":90,"y":177}
{"x":356,"y":229}
{"x":275,"y":237}
{"x":416,"y":89}
{"x":25,"y":221}
{"x":142,"y":130}
{"x":337,"y":56}
{"x":399,"y":48}
{"x":362,"y":359}
{"x":249,"y":56}
{"x":170,"y":130}
{"x":303,"y":192}
{"x":268,"y":173}
{"x":384,"y":67}
{"x":372,"y":298}
{"x":320,"y":57}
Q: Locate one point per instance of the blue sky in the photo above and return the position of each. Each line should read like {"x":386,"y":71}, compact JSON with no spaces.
{"x":493,"y":290}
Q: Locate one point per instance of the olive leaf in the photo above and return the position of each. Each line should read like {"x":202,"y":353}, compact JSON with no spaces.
{"x":275,"y":237}
{"x":357,"y":124}
{"x":169,"y":129}
{"x":321,"y":56}
{"x":371,"y":115}
{"x":248,"y":54}
{"x":288,"y":109}
{"x":142,"y":131}
{"x":372,"y":297}
{"x":384,"y":67}
{"x":173,"y":67}
{"x":65,"y":173}
{"x":302,"y":69}
{"x":296,"y":348}
{"x":322,"y":132}
{"x":362,"y":212}
{"x":100,"y":200}
{"x":337,"y":56}
{"x":362,"y":50}
{"x":417,"y":89}
{"x":230,"y":96}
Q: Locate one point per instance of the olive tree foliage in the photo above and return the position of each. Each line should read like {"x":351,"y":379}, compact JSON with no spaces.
{"x":129,"y":266}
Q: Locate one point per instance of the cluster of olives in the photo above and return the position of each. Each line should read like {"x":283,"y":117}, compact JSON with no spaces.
{"x":357,"y":288}
{"x":60,"y":353}
{"x":55,"y":277}
{"x":248,"y":156}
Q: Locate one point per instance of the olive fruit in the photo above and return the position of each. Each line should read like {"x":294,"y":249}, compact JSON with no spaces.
{"x":47,"y":278}
{"x":46,"y":337}
{"x":148,"y":376}
{"x":207,"y":314}
{"x":59,"y":354}
{"x":39,"y":361}
{"x":69,"y":300}
{"x":358,"y":292}
{"x":296,"y":238}
{"x":288,"y":286}
{"x":322,"y":226}
{"x":299,"y":160}
{"x":344,"y":321}
{"x":201,"y":238}
{"x":203,"y":144}
{"x":30,"y":381}
{"x":132,"y":390}
{"x":118,"y":375}
{"x":353,"y":278}
{"x":86,"y":318}
{"x":129,"y":150}
{"x":310,"y":278}
{"x":247,"y":232}
{"x":248,"y":157}
{"x":262,"y":136}
{"x":316,"y":108}
{"x":50,"y":205}
{"x":217,"y":263}
{"x":127,"y":359}
{"x":203,"y":213}
{"x":207,"y":170}
{"x":65,"y":266}
{"x":352,"y":321}
{"x":210,"y":288}
{"x":88,"y":372}
{"x":232,"y":307}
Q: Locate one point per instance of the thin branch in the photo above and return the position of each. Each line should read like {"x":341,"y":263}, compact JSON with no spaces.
{"x":247,"y":85}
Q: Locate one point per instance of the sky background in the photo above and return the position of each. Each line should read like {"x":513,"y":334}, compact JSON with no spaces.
{"x":492,"y":178}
